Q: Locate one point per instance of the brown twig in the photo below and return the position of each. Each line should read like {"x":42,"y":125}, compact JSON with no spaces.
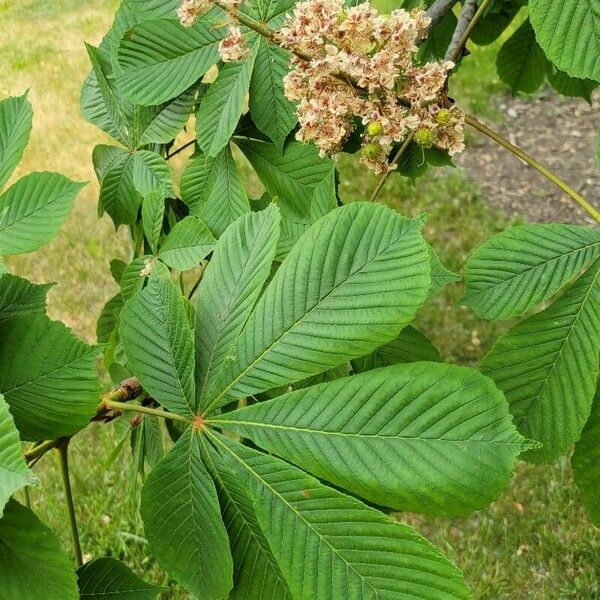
{"x":439,"y":10}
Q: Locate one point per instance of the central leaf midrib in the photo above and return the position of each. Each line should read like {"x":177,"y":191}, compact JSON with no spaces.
{"x":385,"y":437}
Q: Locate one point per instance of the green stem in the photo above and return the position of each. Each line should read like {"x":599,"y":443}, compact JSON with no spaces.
{"x":401,"y":152}
{"x":63,"y":451}
{"x":27,"y":497}
{"x":123,"y":406}
{"x":563,"y":185}
{"x":41,"y":449}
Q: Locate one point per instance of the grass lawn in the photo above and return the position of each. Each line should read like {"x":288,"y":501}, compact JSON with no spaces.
{"x":534,"y":543}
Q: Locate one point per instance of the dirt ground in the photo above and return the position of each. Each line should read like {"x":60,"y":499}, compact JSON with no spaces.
{"x":559,"y":132}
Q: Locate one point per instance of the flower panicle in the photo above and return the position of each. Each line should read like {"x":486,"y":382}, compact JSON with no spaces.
{"x":387,"y":90}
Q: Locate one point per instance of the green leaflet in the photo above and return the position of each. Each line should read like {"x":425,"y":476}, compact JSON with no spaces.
{"x":323,"y":200}
{"x":410,"y":346}
{"x":223,"y":104}
{"x":229,"y":289}
{"x":440,"y":276}
{"x":14,"y":473}
{"x":99,"y":103}
{"x":161,"y":124}
{"x":108,"y":578}
{"x":368,"y":556}
{"x":495,"y":21}
{"x":48,"y":377}
{"x":571,"y":86}
{"x":15,"y":127}
{"x":126,"y":178}
{"x":159,"y":344}
{"x":146,"y":445}
{"x":424,"y":437}
{"x":131,"y":281}
{"x":586,"y":463}
{"x":521,"y":63}
{"x":182,"y":520}
{"x":19,"y":297}
{"x":118,"y":194}
{"x":272,"y":12}
{"x":518,"y":269}
{"x":109,"y":318}
{"x":33,"y":566}
{"x":256,"y":575}
{"x":569,"y":33}
{"x":272,"y":112}
{"x":213,"y":190}
{"x":547,"y":366}
{"x":187,"y":244}
{"x":129,"y":14}
{"x":292,"y":176}
{"x":348,"y":299}
{"x":153,"y":51}
{"x":153,"y":213}
{"x":33,"y":209}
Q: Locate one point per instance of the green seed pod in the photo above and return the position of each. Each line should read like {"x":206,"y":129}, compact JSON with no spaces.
{"x":375,"y":129}
{"x":424,"y":137}
{"x":372,"y":151}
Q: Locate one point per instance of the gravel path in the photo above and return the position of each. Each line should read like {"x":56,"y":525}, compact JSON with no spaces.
{"x":561,"y":133}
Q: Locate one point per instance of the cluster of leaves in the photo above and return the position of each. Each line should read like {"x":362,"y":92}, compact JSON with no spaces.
{"x":48,"y":382}
{"x":273,"y":335}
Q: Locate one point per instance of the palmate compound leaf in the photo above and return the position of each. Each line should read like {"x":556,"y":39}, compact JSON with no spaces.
{"x":424,"y":437}
{"x":518,"y":269}
{"x":109,"y":579}
{"x":569,"y":33}
{"x":182,"y":520}
{"x":187,"y":244}
{"x":229,"y":289}
{"x":223,"y":104}
{"x":547,"y":366}
{"x":33,"y":565}
{"x":352,"y":282}
{"x":159,"y":345}
{"x":159,"y":60}
{"x":14,"y":473}
{"x":256,"y":574}
{"x":20,"y":297}
{"x":33,"y":209}
{"x":213,"y":190}
{"x":15,"y":128}
{"x":327,"y":543}
{"x":48,"y":377}
{"x":586,"y":462}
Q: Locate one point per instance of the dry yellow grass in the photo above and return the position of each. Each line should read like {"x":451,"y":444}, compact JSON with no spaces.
{"x":46,"y":54}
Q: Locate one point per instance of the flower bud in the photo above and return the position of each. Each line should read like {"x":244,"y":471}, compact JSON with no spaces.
{"x":424,"y":137}
{"x":375,"y":129}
